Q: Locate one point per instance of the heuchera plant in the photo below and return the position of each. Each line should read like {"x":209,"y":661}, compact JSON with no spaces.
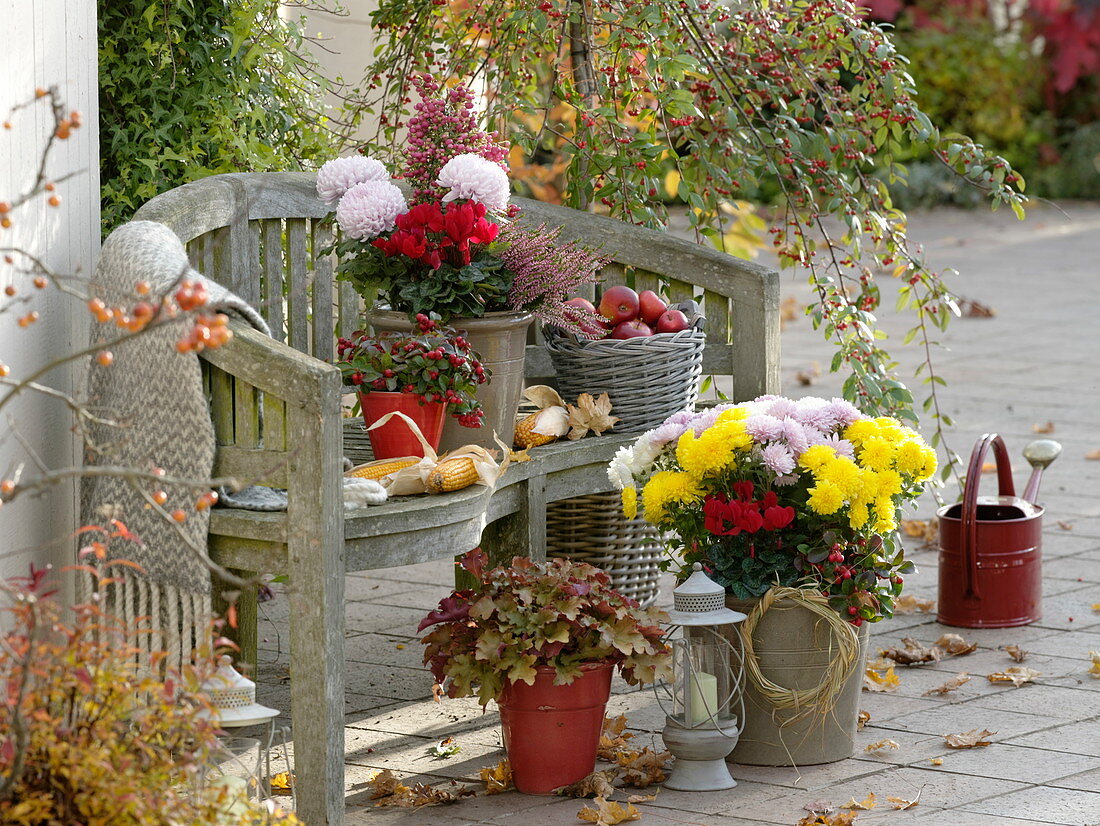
{"x":778,"y":492}
{"x":436,"y":365}
{"x":557,"y":613}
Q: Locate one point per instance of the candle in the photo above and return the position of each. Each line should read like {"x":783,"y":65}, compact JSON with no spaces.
{"x":703,"y":698}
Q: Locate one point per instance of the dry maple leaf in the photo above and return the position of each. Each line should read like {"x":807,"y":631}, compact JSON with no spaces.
{"x":613,"y":738}
{"x":866,"y":804}
{"x":1017,"y":675}
{"x":642,"y":798}
{"x":644,"y":768}
{"x":384,"y":784}
{"x":912,"y":653}
{"x":955,"y":645}
{"x":438,"y":692}
{"x":519,"y":455}
{"x":1093,"y":455}
{"x":497,"y":779}
{"x":956,"y":681}
{"x":886,"y":681}
{"x":910,"y":604}
{"x":838,"y":819}
{"x":590,"y":414}
{"x":901,"y":803}
{"x":809,"y":375}
{"x":608,"y":812}
{"x":936,"y":761}
{"x":820,"y":807}
{"x":973,"y":739}
{"x":1045,"y":427}
{"x":1094,"y":669}
{"x":989,"y":467}
{"x":882,"y":745}
{"x":597,"y":784}
{"x":863,"y":719}
{"x":282,"y":783}
{"x":926,"y":530}
{"x":1065,"y":526}
{"x":971,"y":308}
{"x":1017,"y":653}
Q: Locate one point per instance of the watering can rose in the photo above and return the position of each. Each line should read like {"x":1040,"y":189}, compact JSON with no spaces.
{"x":801,"y":493}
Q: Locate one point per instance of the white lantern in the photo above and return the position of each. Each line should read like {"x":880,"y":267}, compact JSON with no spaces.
{"x":704,"y":703}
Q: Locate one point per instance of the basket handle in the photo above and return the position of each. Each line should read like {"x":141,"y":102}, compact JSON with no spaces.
{"x":1005,"y":487}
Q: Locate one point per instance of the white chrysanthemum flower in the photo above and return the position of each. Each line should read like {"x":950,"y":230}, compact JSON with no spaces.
{"x":369,"y":209}
{"x":618,"y":470}
{"x":471,"y":176}
{"x":340,"y":174}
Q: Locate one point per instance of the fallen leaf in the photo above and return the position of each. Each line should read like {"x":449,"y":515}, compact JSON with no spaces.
{"x":498,"y":779}
{"x":910,"y":604}
{"x":388,"y":791}
{"x":809,"y":375}
{"x":447,"y":747}
{"x":863,"y":719}
{"x":886,"y":681}
{"x":1094,"y":669}
{"x":642,"y":798}
{"x":838,"y":819}
{"x":989,"y":467}
{"x":912,"y":653}
{"x":590,"y":414}
{"x":613,"y":737}
{"x":882,"y":745}
{"x":820,"y":807}
{"x":438,"y":692}
{"x":1017,"y":653}
{"x":936,"y":761}
{"x":282,"y":783}
{"x":1065,"y":526}
{"x":1093,"y":455}
{"x":597,"y":784}
{"x":901,"y":803}
{"x":970,"y":308}
{"x":1045,"y":427}
{"x":644,"y":768}
{"x":384,"y":784}
{"x":866,"y":804}
{"x":924,"y":529}
{"x":608,"y":812}
{"x":788,"y":310}
{"x":955,"y":645}
{"x":519,"y":455}
{"x":950,"y":685}
{"x":973,"y":739}
{"x":1017,"y":675}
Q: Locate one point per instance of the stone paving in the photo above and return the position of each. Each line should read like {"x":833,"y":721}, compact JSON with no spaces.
{"x":1033,"y":362}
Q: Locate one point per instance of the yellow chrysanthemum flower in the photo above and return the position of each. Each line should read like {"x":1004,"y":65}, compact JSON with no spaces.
{"x":858,"y":432}
{"x":858,"y":515}
{"x":876,"y":453}
{"x":910,"y":458}
{"x":666,"y":487}
{"x":732,"y":414}
{"x":825,"y":498}
{"x":713,"y":450}
{"x":630,"y":502}
{"x":889,"y":484}
{"x":928,"y":468}
{"x":890,"y":428}
{"x":816,"y":456}
{"x":844,"y":473}
{"x":885,"y":525}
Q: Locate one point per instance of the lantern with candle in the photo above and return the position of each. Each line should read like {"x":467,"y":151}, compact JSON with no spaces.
{"x":703,"y":703}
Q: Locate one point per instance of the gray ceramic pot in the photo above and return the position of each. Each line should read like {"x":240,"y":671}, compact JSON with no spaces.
{"x":792,"y":645}
{"x":500,"y":339}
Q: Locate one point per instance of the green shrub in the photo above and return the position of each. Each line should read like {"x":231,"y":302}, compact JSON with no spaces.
{"x":190,"y":88}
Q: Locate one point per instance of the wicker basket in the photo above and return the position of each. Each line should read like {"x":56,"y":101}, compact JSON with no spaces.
{"x":593,"y":529}
{"x":648,"y":379}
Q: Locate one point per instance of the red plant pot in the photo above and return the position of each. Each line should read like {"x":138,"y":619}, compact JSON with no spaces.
{"x":552,"y":732}
{"x":395,"y":438}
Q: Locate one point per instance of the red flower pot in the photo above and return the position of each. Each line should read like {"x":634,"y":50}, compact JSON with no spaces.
{"x":551,"y":732}
{"x":395,"y":438}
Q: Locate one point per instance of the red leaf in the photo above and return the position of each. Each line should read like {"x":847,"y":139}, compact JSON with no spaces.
{"x":451,"y":609}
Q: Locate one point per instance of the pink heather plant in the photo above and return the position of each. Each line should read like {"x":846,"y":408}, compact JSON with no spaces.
{"x":444,"y":126}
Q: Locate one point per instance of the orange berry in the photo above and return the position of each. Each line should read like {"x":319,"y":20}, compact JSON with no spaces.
{"x":28,"y":319}
{"x":75,"y":118}
{"x":7,"y":124}
{"x":54,"y":200}
{"x":7,"y":487}
{"x":41,"y":282}
{"x":160,"y":497}
{"x":183,"y":346}
{"x":143,"y":287}
{"x":158,"y":471}
{"x":62,"y":131}
{"x":8,"y":259}
{"x":40,"y":92}
{"x":5,"y":207}
{"x":105,"y":358}
{"x":5,"y":371}
{"x":5,"y":222}
{"x":50,"y":187}
{"x":179,"y":515}
{"x":9,"y":290}
{"x":206,"y":500}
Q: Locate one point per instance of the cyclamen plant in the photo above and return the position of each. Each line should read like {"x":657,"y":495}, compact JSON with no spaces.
{"x":444,"y":252}
{"x":778,"y":492}
{"x":438,"y":365}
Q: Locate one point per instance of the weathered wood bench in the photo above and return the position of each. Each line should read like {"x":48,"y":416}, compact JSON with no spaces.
{"x":275,"y":404}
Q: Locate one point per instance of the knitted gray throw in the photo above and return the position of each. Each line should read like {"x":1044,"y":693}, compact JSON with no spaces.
{"x":154,"y":397}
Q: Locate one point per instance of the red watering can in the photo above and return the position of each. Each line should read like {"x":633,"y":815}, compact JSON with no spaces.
{"x":991,"y":546}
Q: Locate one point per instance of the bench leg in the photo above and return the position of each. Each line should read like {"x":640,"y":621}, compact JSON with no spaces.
{"x":522,"y":533}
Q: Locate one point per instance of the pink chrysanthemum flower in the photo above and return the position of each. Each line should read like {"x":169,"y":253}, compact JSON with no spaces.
{"x":764,"y":428}
{"x":794,"y":434}
{"x":845,"y":412}
{"x":788,"y":479}
{"x":471,"y":176}
{"x":842,"y":446}
{"x":369,"y":209}
{"x":780,"y":408}
{"x":340,"y":174}
{"x":778,"y":459}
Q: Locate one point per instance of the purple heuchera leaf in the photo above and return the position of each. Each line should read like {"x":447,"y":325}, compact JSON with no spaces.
{"x":578,"y":589}
{"x":451,"y":609}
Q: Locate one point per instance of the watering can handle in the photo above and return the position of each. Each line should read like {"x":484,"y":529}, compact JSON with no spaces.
{"x":1005,"y":487}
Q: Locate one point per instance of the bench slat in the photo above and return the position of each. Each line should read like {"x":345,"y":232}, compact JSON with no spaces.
{"x":323,"y":291}
{"x":271,"y":256}
{"x":298,"y":297}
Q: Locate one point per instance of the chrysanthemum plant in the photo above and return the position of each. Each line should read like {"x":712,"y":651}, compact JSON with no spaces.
{"x":451,"y":249}
{"x":557,"y":613}
{"x":778,"y":492}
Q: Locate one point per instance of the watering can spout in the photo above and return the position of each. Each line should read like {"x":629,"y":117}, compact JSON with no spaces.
{"x":1039,"y":455}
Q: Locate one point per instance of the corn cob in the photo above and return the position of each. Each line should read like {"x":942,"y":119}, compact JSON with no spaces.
{"x":452,"y":474}
{"x":541,"y":427}
{"x":379,"y":470}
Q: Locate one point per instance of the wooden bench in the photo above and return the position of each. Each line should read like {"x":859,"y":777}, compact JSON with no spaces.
{"x":275,"y":404}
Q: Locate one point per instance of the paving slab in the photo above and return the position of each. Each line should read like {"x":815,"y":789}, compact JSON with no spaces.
{"x":1071,"y":807}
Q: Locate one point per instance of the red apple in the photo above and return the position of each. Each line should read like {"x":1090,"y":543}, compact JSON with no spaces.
{"x":650,"y":307}
{"x":672,"y":321}
{"x":635,"y":328}
{"x":619,"y":304}
{"x":582,"y":303}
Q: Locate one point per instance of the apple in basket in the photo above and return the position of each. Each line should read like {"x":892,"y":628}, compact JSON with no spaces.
{"x":635,"y":328}
{"x":650,"y":307}
{"x":672,"y":321}
{"x":619,"y":304}
{"x":582,"y":313}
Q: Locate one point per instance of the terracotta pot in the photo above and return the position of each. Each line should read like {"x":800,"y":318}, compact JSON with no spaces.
{"x":395,"y":438}
{"x":551,"y":732}
{"x":793,"y":647}
{"x":500,"y":339}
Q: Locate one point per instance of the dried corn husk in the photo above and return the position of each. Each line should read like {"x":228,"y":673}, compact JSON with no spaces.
{"x":549,"y":422}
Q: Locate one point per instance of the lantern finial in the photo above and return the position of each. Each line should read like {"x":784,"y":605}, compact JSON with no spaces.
{"x":699,"y":600}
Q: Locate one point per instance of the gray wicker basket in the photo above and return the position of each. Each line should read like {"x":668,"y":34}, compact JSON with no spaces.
{"x":648,"y":379}
{"x":593,"y":529}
